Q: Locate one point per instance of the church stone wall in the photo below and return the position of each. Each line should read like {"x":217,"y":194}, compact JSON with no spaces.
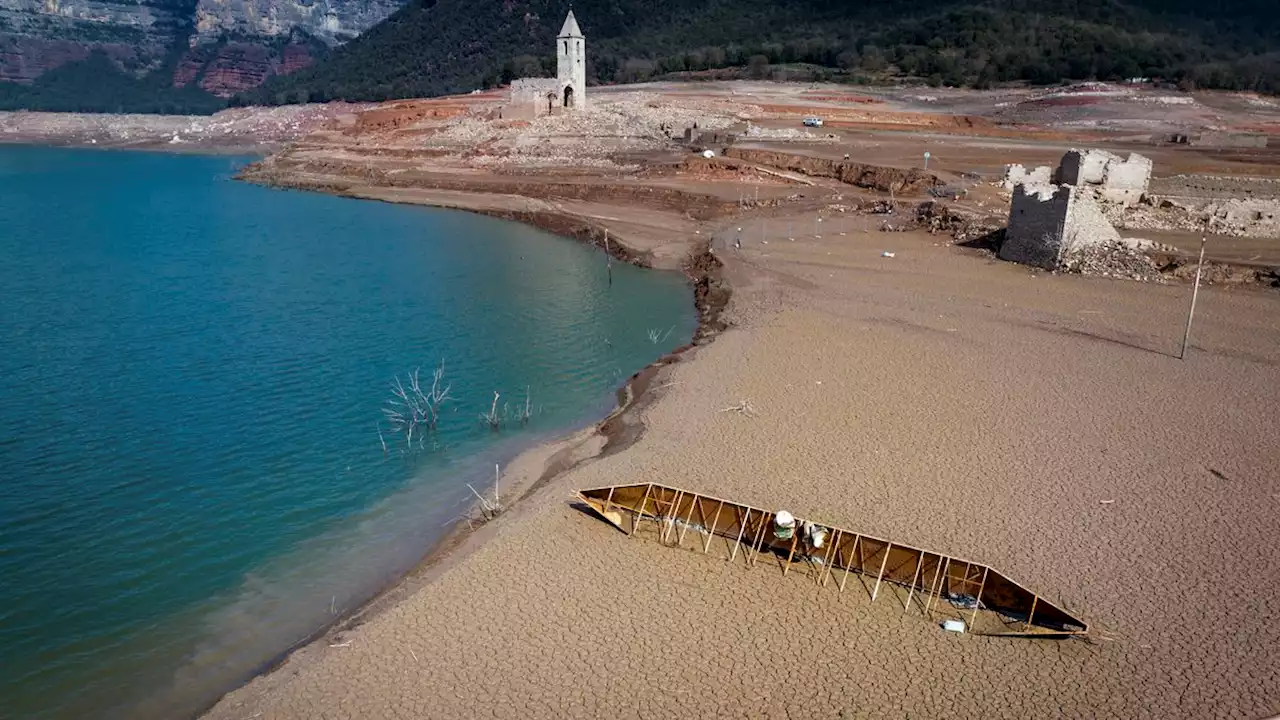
{"x":535,"y":97}
{"x":529,"y":98}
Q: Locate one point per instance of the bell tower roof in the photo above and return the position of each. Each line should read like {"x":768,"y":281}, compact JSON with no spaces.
{"x":570,"y":28}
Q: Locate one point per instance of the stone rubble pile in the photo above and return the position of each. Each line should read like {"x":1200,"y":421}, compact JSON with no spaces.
{"x":1238,"y":218}
{"x":755,"y":132}
{"x":1116,"y":259}
{"x":541,"y":161}
{"x":247,"y":125}
{"x":634,"y":122}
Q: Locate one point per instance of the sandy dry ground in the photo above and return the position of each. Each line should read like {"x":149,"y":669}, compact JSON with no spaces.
{"x":1038,"y":423}
{"x":236,"y":130}
{"x":622,"y":157}
{"x":937,"y":397}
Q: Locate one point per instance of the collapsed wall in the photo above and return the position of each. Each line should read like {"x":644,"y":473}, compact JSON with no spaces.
{"x":1116,"y":179}
{"x":1015,"y":175}
{"x":1050,"y":225}
{"x":1220,"y":139}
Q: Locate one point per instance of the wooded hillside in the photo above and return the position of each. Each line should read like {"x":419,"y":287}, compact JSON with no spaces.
{"x":434,"y":47}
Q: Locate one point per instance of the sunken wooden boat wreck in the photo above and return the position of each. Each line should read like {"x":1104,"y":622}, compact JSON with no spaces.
{"x":967,"y":596}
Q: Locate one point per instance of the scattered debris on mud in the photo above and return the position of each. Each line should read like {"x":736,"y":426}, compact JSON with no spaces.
{"x":1114,"y":260}
{"x":230,"y":129}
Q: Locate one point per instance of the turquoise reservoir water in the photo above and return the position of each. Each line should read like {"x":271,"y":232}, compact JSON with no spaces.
{"x":192,"y":372}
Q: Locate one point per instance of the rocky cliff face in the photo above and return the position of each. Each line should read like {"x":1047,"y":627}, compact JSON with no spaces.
{"x":225,"y":68}
{"x":225,"y":45}
{"x":39,"y":35}
{"x":331,"y":20}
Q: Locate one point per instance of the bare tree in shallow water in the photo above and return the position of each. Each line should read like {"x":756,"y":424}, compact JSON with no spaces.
{"x":414,"y":411}
{"x":656,"y":335}
{"x":496,"y":418}
{"x":492,"y":418}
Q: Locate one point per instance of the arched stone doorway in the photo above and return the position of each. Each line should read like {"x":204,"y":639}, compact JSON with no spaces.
{"x":568,"y":96}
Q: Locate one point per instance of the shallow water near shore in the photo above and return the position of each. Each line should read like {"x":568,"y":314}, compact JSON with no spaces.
{"x":192,"y":372}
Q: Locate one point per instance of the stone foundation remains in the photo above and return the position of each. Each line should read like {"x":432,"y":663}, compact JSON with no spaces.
{"x":1218,"y":139}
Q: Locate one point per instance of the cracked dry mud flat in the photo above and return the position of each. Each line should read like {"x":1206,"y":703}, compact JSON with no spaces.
{"x":1032,"y":422}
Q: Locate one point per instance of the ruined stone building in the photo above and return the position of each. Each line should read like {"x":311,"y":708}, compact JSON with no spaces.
{"x":1048,"y":224}
{"x":1111,"y":177}
{"x":1116,"y":179}
{"x":567,"y":91}
{"x":1055,"y":214}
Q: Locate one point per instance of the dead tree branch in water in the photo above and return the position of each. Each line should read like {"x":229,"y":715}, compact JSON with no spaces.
{"x":492,"y":418}
{"x":656,"y":335}
{"x":412,"y":410}
{"x":526,"y":413}
{"x":489,"y":509}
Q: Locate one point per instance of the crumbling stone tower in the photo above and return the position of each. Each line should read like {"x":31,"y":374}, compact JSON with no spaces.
{"x":1051,"y":224}
{"x":571,"y":64}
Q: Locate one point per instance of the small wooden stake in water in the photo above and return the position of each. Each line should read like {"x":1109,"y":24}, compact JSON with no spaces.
{"x":608,"y":256}
{"x":1186,"y":335}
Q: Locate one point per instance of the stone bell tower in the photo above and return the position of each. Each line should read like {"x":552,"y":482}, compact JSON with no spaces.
{"x":571,"y":65}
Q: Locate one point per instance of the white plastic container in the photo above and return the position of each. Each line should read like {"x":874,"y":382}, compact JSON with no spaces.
{"x":956,"y":626}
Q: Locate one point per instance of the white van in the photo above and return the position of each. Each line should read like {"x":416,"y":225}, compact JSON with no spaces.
{"x":813,"y":122}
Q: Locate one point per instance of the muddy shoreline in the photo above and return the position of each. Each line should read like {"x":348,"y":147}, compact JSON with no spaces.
{"x":619,"y":430}
{"x":259,"y":150}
